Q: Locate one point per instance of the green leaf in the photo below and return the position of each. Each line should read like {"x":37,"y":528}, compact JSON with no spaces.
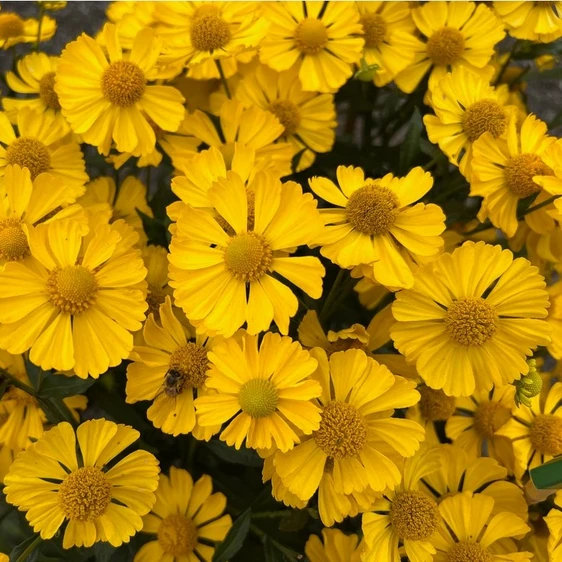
{"x":61,"y":386}
{"x":296,"y":520}
{"x":235,"y":538}
{"x":28,"y":550}
{"x":271,"y":554}
{"x":245,"y":457}
{"x":411,"y":146}
{"x":154,"y":229}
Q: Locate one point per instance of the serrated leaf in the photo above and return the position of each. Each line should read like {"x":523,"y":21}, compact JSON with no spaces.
{"x":234,"y":539}
{"x":411,"y":146}
{"x":22,"y":547}
{"x":61,"y":386}
{"x":245,"y":457}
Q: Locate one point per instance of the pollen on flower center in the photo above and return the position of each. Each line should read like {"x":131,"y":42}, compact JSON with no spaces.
{"x":414,"y":516}
{"x":11,"y":25}
{"x":248,"y":256}
{"x":484,"y":116}
{"x":29,"y":153}
{"x":372,"y":209}
{"x":546,"y":434}
{"x":445,"y":46}
{"x":209,"y":32}
{"x":13,"y":241}
{"x":177,"y":535}
{"x":311,"y":36}
{"x":123,"y":83}
{"x":191,"y":362}
{"x":374,"y":28}
{"x":489,"y":417}
{"x":85,"y":494}
{"x":468,"y":552}
{"x":155,"y":296}
{"x":72,"y":289}
{"x":519,"y":172}
{"x":258,"y":398}
{"x":47,"y":91}
{"x":435,"y":405}
{"x":343,"y":431}
{"x":288,"y":114}
{"x":471,"y":321}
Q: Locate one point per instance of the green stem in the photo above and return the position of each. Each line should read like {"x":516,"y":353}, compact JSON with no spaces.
{"x":539,"y":206}
{"x":223,"y":79}
{"x":332,"y":294}
{"x":271,"y":514}
{"x":506,"y":63}
{"x":29,"y":550}
{"x":290,"y":554}
{"x":39,"y":27}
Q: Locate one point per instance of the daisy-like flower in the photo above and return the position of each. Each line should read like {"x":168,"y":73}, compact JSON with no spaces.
{"x":389,"y":43}
{"x":252,"y":127}
{"x":555,"y":319}
{"x":76,"y":304}
{"x":322,"y":41}
{"x":132,"y":17}
{"x":534,"y":21}
{"x":536,"y":432}
{"x":105,"y":101}
{"x":265,"y":393}
{"x":170,"y":369}
{"x":550,"y":176}
{"x":156,"y":262}
{"x":465,"y":106}
{"x":374,"y":222}
{"x":472,"y":530}
{"x":41,"y":145}
{"x":357,"y":440}
{"x":308,"y":118}
{"x":477,"y":306}
{"x":334,"y":546}
{"x":406,"y":517}
{"x":477,"y":418}
{"x":554,"y":522}
{"x":503,"y":172}
{"x":186,"y":520}
{"x":454,"y":35}
{"x":101,"y":500}
{"x":15,"y":30}
{"x":206,"y":260}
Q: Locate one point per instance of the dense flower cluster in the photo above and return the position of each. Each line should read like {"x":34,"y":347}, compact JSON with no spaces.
{"x":307,"y":254}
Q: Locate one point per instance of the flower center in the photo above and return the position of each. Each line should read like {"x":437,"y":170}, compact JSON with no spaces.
{"x":471,"y":321}
{"x":372,"y":209}
{"x":13,"y":241}
{"x":489,"y":417}
{"x":155,"y":296}
{"x":435,"y":405}
{"x":248,"y":256}
{"x":445,"y":46}
{"x":546,"y":434}
{"x":258,"y":398}
{"x":519,"y":173}
{"x":288,"y":114}
{"x":21,"y":397}
{"x":188,"y":368}
{"x":11,"y":25}
{"x":177,"y":535}
{"x":123,"y":83}
{"x":414,"y":515}
{"x":85,"y":494}
{"x":343,"y":344}
{"x":343,"y":431}
{"x":468,"y":552}
{"x":47,"y":91}
{"x":72,"y":289}
{"x":29,"y":153}
{"x":311,"y":36}
{"x":374,"y":28}
{"x":209,"y":32}
{"x":484,"y":116}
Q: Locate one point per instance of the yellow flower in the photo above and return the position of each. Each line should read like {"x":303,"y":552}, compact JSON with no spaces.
{"x":186,"y":517}
{"x":470,"y":529}
{"x":550,"y":177}
{"x":75,"y":305}
{"x":41,"y":145}
{"x":308,"y":118}
{"x":321,"y":40}
{"x":376,"y":223}
{"x":471,"y":318}
{"x":156,"y":262}
{"x":334,"y":546}
{"x":212,"y":269}
{"x":265,"y":394}
{"x":132,"y":17}
{"x":455,"y":35}
{"x":536,"y":432}
{"x":52,"y":6}
{"x":105,"y":101}
{"x":354,"y":448}
{"x":15,"y":30}
{"x":503,"y":172}
{"x":554,"y":522}
{"x":555,"y":319}
{"x":53,"y":484}
{"x":535,"y":21}
{"x":407,"y":516}
{"x":170,"y":369}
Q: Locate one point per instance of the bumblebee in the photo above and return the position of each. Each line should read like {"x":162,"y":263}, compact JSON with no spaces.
{"x":173,"y":383}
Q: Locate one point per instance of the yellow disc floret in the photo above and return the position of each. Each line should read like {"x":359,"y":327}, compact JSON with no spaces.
{"x":13,"y":241}
{"x":471,"y":321}
{"x":29,"y":153}
{"x":489,"y":417}
{"x":546,"y":434}
{"x":47,"y":91}
{"x":85,"y":494}
{"x":191,"y":362}
{"x":445,"y":46}
{"x":435,"y":405}
{"x":414,"y":516}
{"x":177,"y":535}
{"x":311,"y":36}
{"x":72,"y":289}
{"x":375,"y":29}
{"x":123,"y":83}
{"x":288,"y":114}
{"x":248,"y":256}
{"x":484,"y":116}
{"x":258,"y":398}
{"x":209,"y":32}
{"x":11,"y":25}
{"x":469,"y":552}
{"x":519,"y":172}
